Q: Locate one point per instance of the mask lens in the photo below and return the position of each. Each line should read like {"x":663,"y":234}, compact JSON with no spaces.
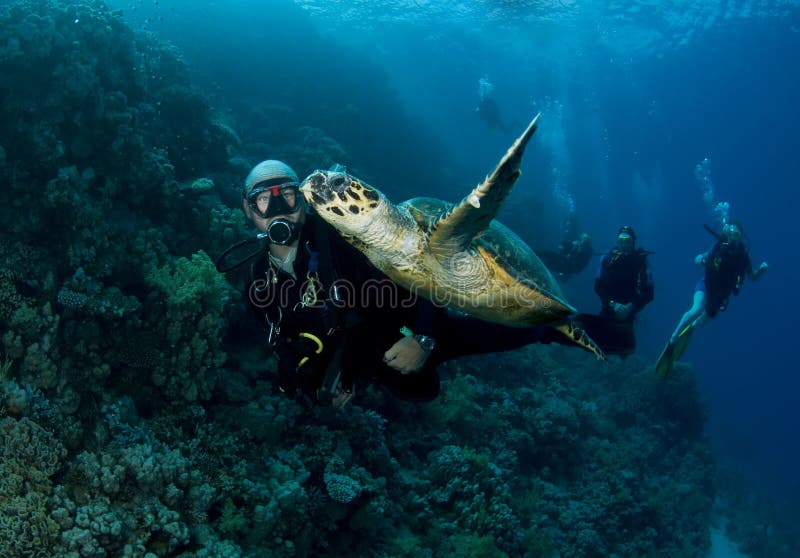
{"x":261,"y":202}
{"x":270,"y":201}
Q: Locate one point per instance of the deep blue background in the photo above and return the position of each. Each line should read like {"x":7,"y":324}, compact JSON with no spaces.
{"x":621,"y":131}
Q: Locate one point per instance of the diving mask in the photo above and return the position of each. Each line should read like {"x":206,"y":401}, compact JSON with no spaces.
{"x":732,"y":232}
{"x":278,"y":199}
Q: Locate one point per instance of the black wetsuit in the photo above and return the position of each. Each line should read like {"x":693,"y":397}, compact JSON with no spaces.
{"x":726,"y":266}
{"x":624,"y":277}
{"x":355,"y":328}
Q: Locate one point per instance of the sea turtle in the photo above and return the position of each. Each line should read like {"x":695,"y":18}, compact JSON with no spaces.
{"x":455,"y":255}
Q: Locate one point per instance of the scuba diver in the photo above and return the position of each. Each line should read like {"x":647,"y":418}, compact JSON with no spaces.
{"x":307,"y":285}
{"x":726,"y":265}
{"x":487,"y":108}
{"x":573,"y":254}
{"x":624,"y":284}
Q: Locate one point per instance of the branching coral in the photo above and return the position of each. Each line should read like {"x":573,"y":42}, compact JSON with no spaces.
{"x":196,"y":296}
{"x":6,"y":364}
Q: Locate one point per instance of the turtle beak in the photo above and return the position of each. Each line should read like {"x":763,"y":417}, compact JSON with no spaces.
{"x":322,"y":186}
{"x":315,"y":189}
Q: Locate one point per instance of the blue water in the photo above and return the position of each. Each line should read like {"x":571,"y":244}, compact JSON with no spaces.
{"x":633,"y":96}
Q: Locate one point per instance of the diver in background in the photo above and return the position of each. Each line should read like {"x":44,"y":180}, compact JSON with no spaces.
{"x":624,"y":284}
{"x":487,"y":108}
{"x":726,"y":265}
{"x":574,"y":252}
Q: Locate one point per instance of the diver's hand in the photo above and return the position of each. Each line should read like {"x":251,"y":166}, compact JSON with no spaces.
{"x":406,"y":356}
{"x":761,"y":270}
{"x":621,"y":311}
{"x":700,"y":259}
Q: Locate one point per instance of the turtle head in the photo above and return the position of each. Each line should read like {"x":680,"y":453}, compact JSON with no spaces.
{"x":342,"y":200}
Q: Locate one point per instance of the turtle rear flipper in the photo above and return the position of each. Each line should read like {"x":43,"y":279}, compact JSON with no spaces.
{"x":578,"y":335}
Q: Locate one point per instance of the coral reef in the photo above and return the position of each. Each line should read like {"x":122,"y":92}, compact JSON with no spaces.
{"x":568,"y":476}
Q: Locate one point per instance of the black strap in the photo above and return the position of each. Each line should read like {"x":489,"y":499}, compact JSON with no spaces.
{"x":711,"y":231}
{"x":323,"y":248}
{"x":331,"y":379}
{"x":241,"y":253}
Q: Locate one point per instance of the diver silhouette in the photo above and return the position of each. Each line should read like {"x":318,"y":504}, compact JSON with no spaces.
{"x":573,"y":253}
{"x":487,"y":108}
{"x":490,"y":115}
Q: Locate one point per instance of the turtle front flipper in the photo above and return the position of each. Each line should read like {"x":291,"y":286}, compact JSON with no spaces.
{"x":456,"y":228}
{"x":578,"y":335}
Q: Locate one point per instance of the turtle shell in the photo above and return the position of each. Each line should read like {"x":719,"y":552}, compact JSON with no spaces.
{"x":499,"y":245}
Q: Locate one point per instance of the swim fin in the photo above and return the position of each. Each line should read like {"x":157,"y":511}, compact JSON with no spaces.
{"x":673,"y":351}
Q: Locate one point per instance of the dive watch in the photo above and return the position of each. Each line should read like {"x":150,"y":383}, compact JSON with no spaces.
{"x":427,"y":343}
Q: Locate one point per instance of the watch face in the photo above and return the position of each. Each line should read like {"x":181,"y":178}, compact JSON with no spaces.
{"x":426,"y":342}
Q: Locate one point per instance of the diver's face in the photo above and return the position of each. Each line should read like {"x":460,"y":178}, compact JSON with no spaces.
{"x":263,"y":223}
{"x":625,"y":242}
{"x":732,"y":233}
